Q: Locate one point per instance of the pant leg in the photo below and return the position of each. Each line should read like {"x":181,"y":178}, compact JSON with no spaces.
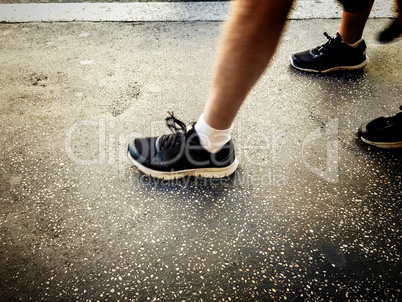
{"x":355,"y":6}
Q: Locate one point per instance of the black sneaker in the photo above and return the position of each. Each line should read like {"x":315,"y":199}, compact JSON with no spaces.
{"x":383,"y":132}
{"x":392,"y":32}
{"x":333,"y":55}
{"x":180,"y":154}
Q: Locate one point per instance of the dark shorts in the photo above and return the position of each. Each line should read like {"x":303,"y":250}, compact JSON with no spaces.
{"x":355,"y":6}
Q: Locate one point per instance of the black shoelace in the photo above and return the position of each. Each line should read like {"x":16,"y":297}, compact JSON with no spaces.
{"x":179,"y":130}
{"x":323,"y":48}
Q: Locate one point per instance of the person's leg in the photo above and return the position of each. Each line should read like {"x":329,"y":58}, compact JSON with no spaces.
{"x":352,"y":24}
{"x":247,"y":45}
{"x":394,"y":29}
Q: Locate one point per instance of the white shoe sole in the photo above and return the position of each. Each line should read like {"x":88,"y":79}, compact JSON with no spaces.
{"x":383,"y":145}
{"x":355,"y":67}
{"x":204,"y":172}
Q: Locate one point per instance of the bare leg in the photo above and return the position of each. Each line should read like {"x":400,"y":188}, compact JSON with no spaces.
{"x":352,"y":24}
{"x":249,"y":40}
{"x":247,"y":45}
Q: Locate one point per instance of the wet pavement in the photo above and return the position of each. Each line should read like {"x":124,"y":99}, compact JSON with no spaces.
{"x":311,"y":214}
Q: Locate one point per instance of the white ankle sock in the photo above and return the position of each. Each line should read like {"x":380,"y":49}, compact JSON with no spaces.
{"x":356,"y":44}
{"x":211,"y":139}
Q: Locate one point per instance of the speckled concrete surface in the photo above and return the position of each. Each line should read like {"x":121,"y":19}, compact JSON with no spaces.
{"x":14,"y":11}
{"x":311,"y":214}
